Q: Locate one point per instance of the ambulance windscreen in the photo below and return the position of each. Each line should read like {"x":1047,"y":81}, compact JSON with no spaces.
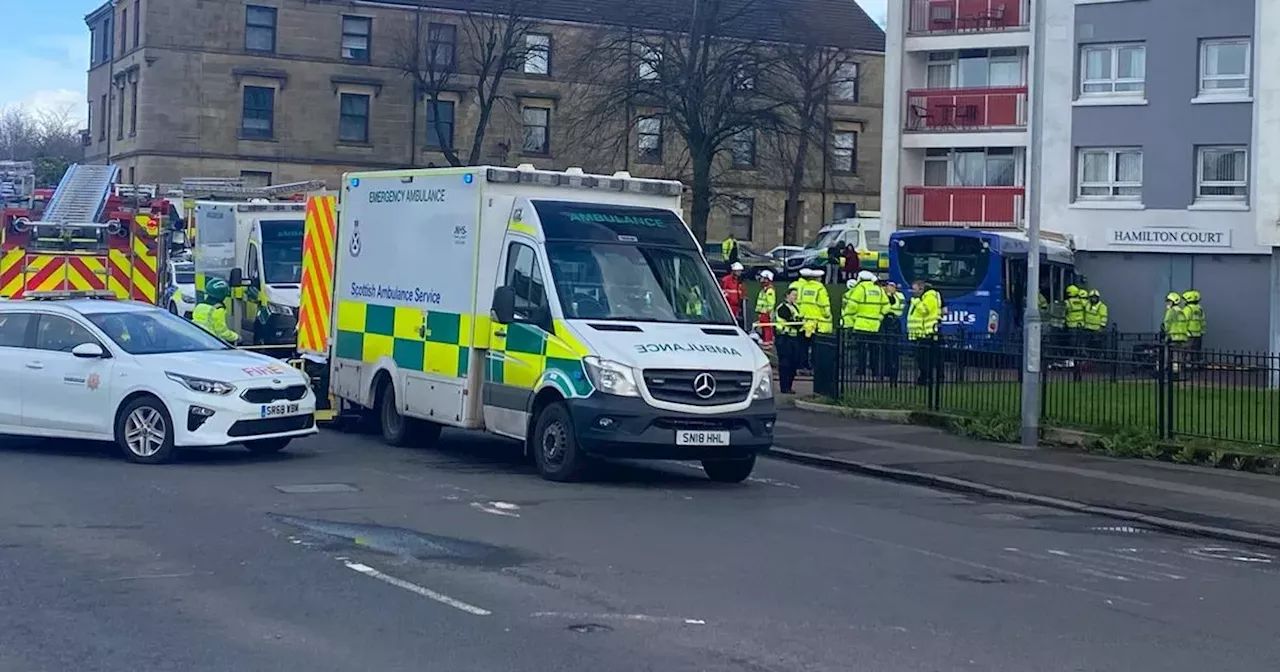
{"x":602,"y":222}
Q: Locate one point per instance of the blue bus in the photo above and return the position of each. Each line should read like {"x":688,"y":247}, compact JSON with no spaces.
{"x":982,"y":275}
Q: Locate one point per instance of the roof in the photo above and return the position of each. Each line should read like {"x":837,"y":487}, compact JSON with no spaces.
{"x":836,"y":23}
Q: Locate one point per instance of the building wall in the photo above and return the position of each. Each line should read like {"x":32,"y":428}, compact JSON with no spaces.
{"x":1266,"y":127}
{"x":191,"y":68}
{"x":1168,"y":127}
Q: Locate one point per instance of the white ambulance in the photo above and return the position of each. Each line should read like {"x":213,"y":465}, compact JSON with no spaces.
{"x":572,"y":312}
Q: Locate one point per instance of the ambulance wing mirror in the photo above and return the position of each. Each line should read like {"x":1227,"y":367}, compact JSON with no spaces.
{"x":504,"y":305}
{"x":237,"y":278}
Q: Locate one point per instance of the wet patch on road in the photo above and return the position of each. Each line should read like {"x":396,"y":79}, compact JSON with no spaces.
{"x":985,"y":578}
{"x":401,"y":542}
{"x":316,"y":488}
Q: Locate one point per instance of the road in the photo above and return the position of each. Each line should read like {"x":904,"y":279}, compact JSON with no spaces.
{"x":344,"y":554}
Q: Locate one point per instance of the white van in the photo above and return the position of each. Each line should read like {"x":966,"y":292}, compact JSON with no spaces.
{"x":572,"y":312}
{"x":862,"y":232}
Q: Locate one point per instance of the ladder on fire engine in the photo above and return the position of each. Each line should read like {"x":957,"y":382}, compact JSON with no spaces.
{"x":218,"y":188}
{"x":82,"y":194}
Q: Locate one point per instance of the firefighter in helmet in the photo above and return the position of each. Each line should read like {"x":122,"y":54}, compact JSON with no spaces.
{"x":211,"y":314}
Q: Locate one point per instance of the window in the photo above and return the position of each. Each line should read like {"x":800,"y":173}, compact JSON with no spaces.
{"x":440,"y":120}
{"x":1224,"y":67}
{"x":650,"y":62}
{"x":255,"y":178}
{"x":844,"y":211}
{"x":649,"y":136}
{"x":844,"y":152}
{"x":1113,"y":70}
{"x":353,"y":118}
{"x":133,"y":174}
{"x":442,"y":45}
{"x":356,"y":31}
{"x":990,"y":167}
{"x":108,"y":40}
{"x":974,"y":68}
{"x":133,"y":108}
{"x":124,"y":30}
{"x":260,"y":28}
{"x":104,"y":118}
{"x":137,"y":23}
{"x":13,"y":329}
{"x":537,"y":130}
{"x":59,"y":334}
{"x":537,"y":54}
{"x":1222,"y":174}
{"x":845,"y":86}
{"x":1109,"y":174}
{"x":742,"y":218}
{"x":743,"y":148}
{"x":120,"y":96}
{"x":525,"y":278}
{"x":257,"y":119}
{"x":253,"y":272}
{"x":94,"y":49}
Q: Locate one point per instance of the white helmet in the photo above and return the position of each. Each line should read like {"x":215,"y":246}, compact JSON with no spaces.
{"x":850,"y":283}
{"x":766,"y":275}
{"x":867,"y":275}
{"x":736,"y":266}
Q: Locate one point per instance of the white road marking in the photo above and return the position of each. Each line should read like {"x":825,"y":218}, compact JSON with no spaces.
{"x":644,"y":618}
{"x":497,"y":508}
{"x":417,"y":590}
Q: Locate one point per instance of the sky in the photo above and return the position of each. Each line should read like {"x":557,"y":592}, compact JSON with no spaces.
{"x":45,"y":53}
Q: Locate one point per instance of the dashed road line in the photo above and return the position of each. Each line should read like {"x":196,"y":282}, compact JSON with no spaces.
{"x":416,"y":589}
{"x":642,"y":618}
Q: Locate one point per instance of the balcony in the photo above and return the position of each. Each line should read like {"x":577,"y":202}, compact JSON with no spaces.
{"x":951,"y":110}
{"x":949,"y":17}
{"x":963,"y":207}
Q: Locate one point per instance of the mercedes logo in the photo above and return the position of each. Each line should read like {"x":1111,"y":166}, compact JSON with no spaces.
{"x":704,"y":385}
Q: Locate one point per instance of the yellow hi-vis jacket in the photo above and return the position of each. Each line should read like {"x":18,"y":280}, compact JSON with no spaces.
{"x":925,"y":315}
{"x":766,"y":300}
{"x":213,"y":319}
{"x":1195,"y":320}
{"x":1095,"y":316}
{"x":1175,"y":323}
{"x":863,"y":308}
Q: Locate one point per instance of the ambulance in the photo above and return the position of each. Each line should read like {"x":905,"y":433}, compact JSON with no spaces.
{"x":574,"y":313}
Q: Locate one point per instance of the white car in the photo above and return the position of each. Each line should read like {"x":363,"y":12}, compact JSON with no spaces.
{"x":148,"y":380}
{"x":181,"y":288}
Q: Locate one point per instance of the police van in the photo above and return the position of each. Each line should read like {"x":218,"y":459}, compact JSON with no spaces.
{"x":572,"y":312}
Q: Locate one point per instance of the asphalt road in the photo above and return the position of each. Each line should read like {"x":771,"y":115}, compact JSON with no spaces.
{"x":344,"y":554}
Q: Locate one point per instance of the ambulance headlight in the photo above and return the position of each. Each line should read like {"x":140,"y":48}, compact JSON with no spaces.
{"x":611,"y":377}
{"x":764,"y":383}
{"x":279,"y":309}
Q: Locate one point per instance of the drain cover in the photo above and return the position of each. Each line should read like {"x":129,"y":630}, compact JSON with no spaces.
{"x":313,"y":488}
{"x":588,"y":628}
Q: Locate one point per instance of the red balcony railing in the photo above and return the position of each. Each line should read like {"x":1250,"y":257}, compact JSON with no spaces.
{"x":965,"y":16}
{"x":967,"y":109}
{"x":977,"y":207}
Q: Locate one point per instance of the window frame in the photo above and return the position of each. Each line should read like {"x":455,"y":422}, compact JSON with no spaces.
{"x":513,"y":250}
{"x":124,"y":30}
{"x":435,"y":30}
{"x":1114,"y":79}
{"x":1113,"y":183}
{"x":33,"y":340}
{"x":431,"y":125}
{"x":748,"y":205}
{"x":344,"y":116}
{"x":649,"y":63}
{"x":529,"y":52}
{"x":28,"y":337}
{"x":847,"y":89}
{"x":120,"y":100}
{"x":838,"y":152}
{"x":248,"y":134}
{"x":526,"y":126}
{"x":104,"y":111}
{"x":752,"y":144}
{"x":654,"y":155}
{"x":137,"y":23}
{"x":249,"y":174}
{"x":1202,"y":60}
{"x":251,"y":28}
{"x":1202,"y":183}
{"x":367,"y":36}
{"x":133,"y":108}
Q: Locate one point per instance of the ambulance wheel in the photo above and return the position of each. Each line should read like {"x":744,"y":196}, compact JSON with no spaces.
{"x":144,"y":431}
{"x":398,"y":430}
{"x":555,"y":446}
{"x":729,"y":471}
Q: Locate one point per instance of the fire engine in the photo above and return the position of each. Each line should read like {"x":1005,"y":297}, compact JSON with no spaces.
{"x":90,"y":236}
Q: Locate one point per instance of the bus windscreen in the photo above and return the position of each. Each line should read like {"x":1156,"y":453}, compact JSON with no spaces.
{"x":954,"y":265}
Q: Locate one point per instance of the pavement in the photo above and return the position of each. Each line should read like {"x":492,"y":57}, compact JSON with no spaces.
{"x":1215,"y":502}
{"x":344,"y":554}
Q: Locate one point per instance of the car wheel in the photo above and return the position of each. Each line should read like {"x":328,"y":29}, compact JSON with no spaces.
{"x":729,"y":471}
{"x":144,"y":431}
{"x":555,"y":446}
{"x":399,"y":430}
{"x":267,"y":446}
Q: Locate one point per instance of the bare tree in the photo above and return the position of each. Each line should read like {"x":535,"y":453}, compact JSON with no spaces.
{"x":698,"y":72}
{"x":806,"y":77}
{"x":470,"y":58}
{"x":48,"y":138}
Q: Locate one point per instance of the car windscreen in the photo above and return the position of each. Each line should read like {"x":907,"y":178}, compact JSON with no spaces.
{"x":154,"y":332}
{"x":282,"y":251}
{"x":607,"y":223}
{"x":184,"y":274}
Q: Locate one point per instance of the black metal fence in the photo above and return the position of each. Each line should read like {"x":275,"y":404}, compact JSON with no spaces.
{"x":1107,"y":381}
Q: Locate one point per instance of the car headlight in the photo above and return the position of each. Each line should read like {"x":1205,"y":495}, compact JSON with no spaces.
{"x":611,"y":377}
{"x":201,"y":384}
{"x":764,"y":388}
{"x":278,"y":309}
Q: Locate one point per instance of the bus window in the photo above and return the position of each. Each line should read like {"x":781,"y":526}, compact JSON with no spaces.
{"x":954,"y":265}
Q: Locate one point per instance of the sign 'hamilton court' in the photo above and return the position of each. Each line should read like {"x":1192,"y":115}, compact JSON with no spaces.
{"x":1169,"y":237}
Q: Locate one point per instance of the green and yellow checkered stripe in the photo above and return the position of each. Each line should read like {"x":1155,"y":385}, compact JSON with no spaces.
{"x":418,"y":340}
{"x":529,"y":358}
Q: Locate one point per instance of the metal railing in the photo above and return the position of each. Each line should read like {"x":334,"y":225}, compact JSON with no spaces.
{"x":1101,"y":381}
{"x":972,"y":109}
{"x":932,"y":17}
{"x":978,"y":207}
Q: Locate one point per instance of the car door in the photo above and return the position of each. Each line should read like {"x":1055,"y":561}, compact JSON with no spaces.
{"x":517,"y":352}
{"x":248,"y":308}
{"x":13,"y":338}
{"x":64,"y":392}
